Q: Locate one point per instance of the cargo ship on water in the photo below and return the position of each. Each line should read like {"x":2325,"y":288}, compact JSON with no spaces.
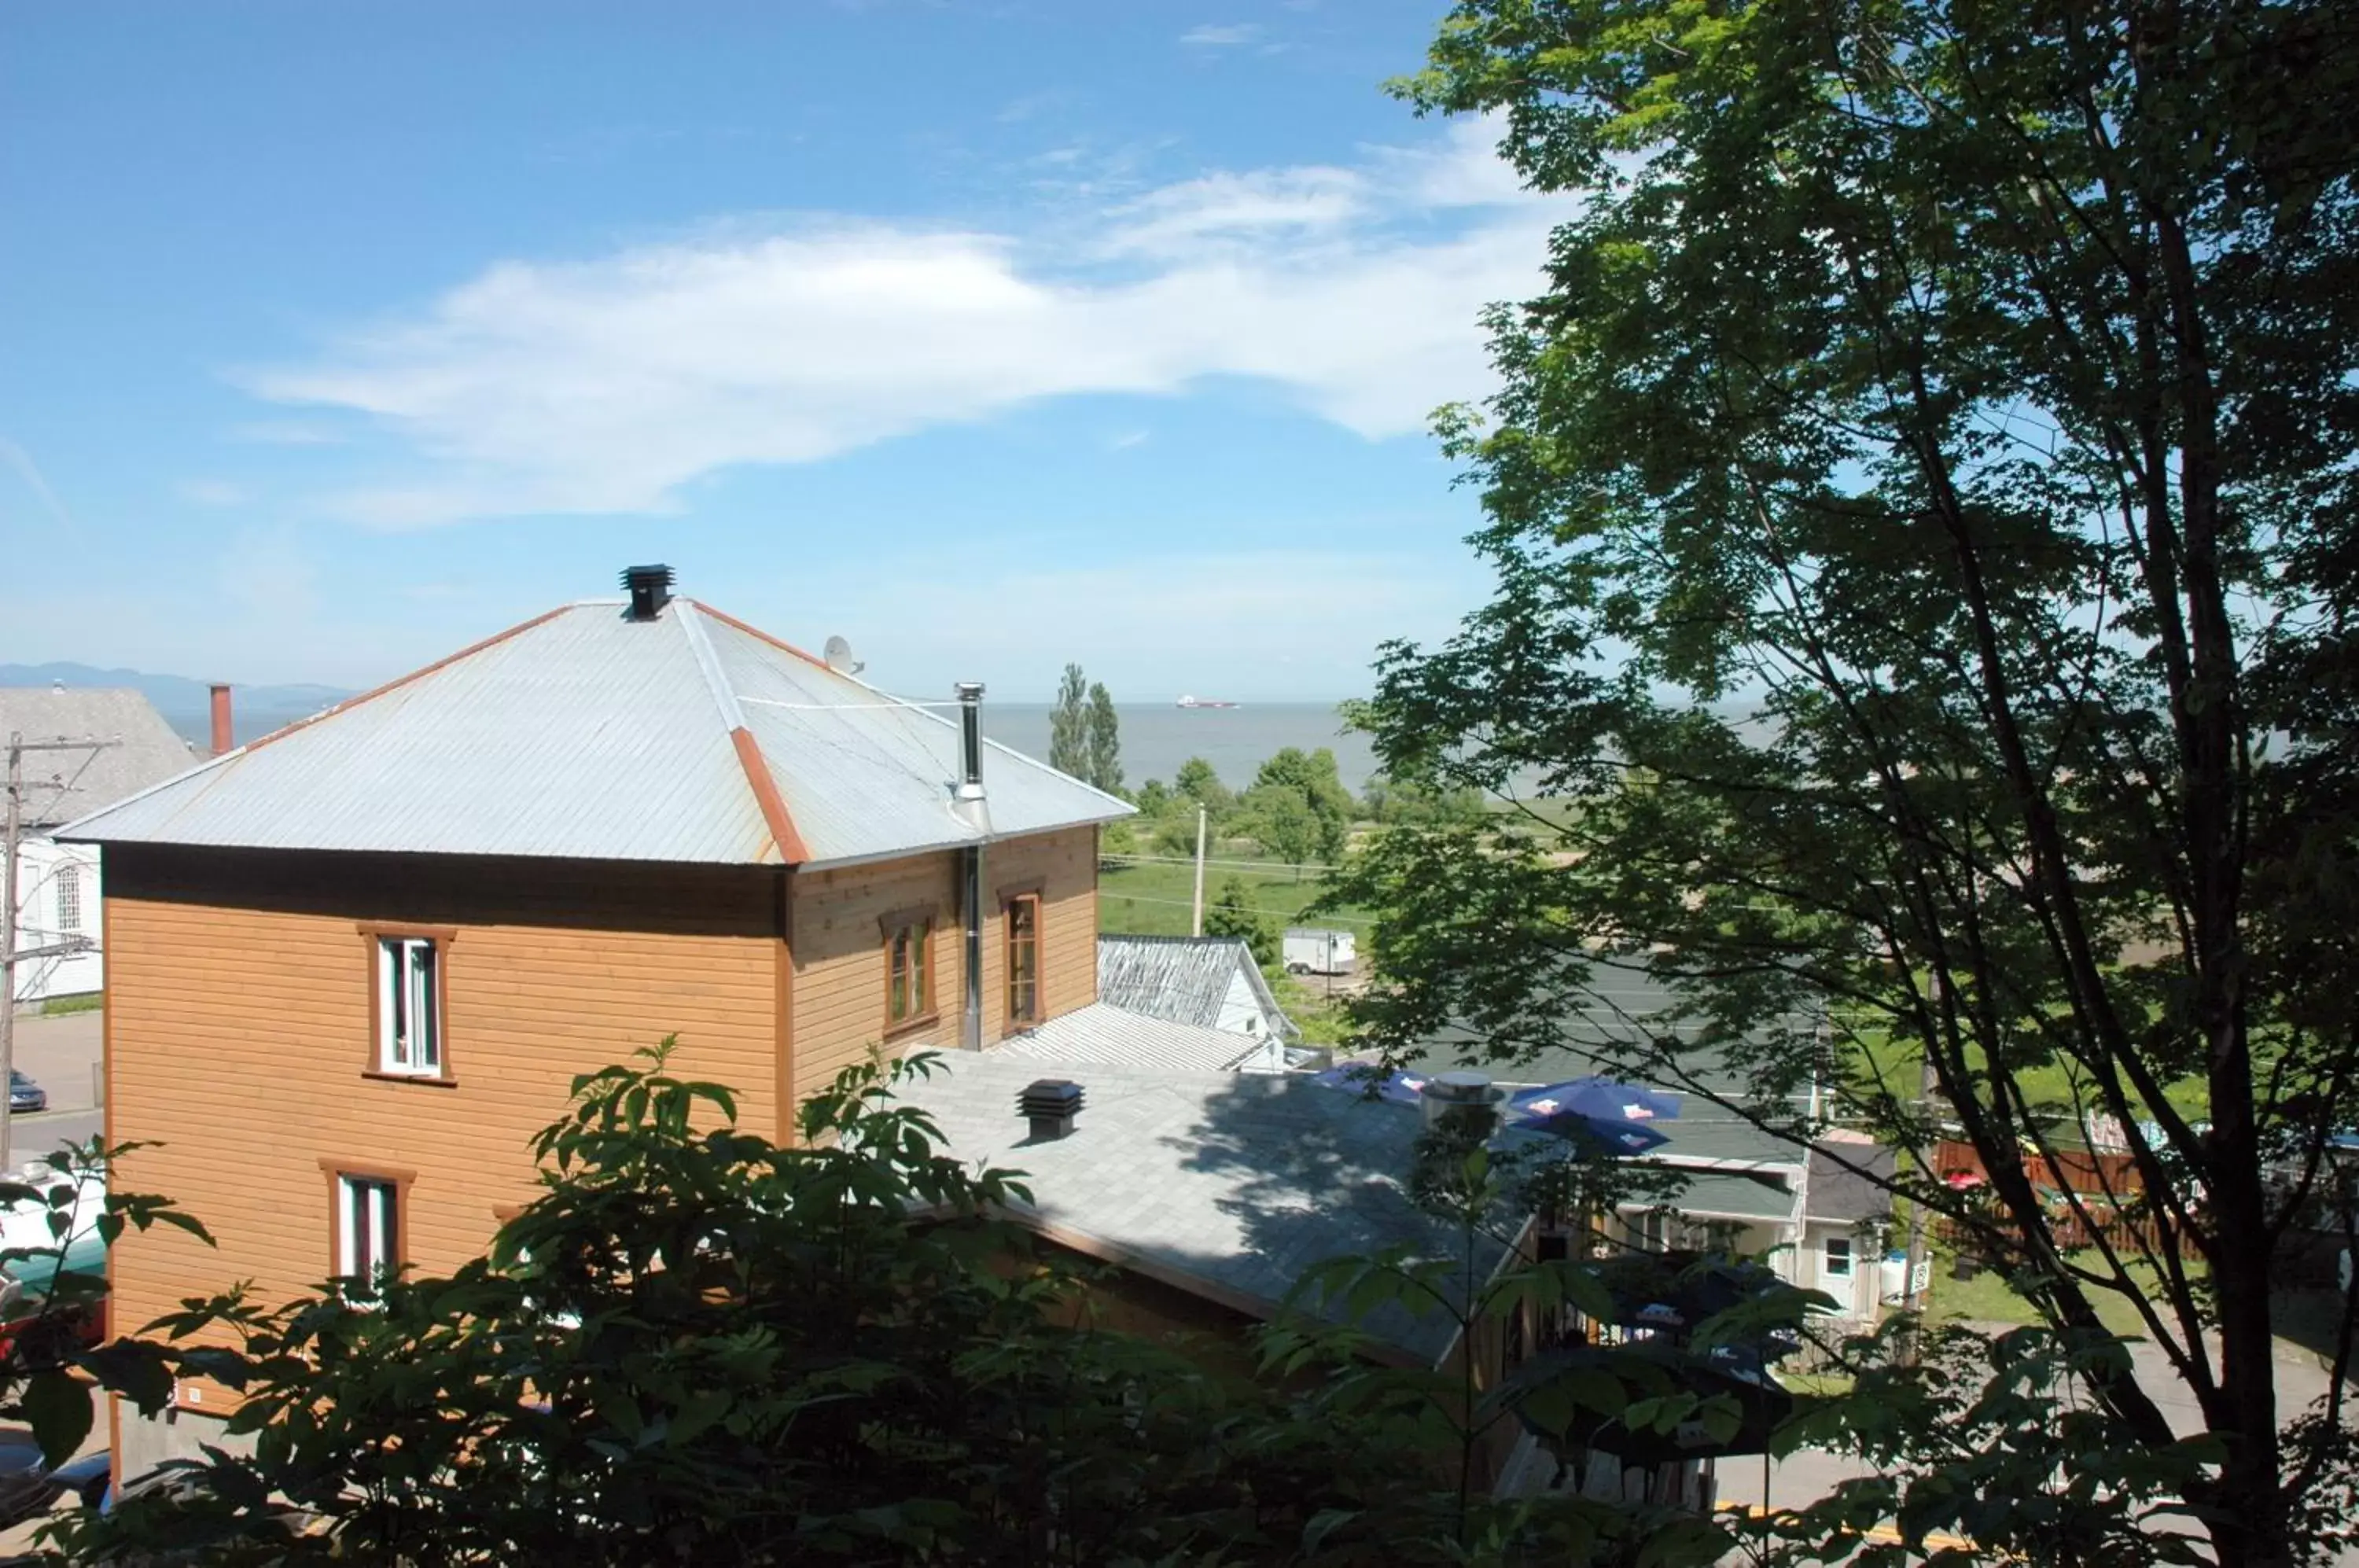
{"x":1203,"y":702}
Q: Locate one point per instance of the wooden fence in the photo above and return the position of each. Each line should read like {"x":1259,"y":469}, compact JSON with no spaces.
{"x":2111,"y":1193}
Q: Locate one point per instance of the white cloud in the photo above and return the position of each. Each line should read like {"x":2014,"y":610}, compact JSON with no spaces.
{"x":1212,"y":36}
{"x":285,"y":432}
{"x":1179,"y":222}
{"x":16,"y":458}
{"x":1251,"y":625}
{"x":605,"y":386}
{"x":212,"y":493}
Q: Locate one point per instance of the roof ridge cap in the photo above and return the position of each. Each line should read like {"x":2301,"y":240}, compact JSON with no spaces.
{"x":759,"y":779}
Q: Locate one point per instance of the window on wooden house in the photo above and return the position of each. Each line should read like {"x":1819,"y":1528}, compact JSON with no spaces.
{"x":409,"y":1006}
{"x":368,"y":1227}
{"x":909,"y":972}
{"x":69,"y":878}
{"x":1837,"y":1264}
{"x":1023,"y":958}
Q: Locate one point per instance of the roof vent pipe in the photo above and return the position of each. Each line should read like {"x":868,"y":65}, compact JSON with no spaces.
{"x":224,"y":730}
{"x":1050,"y":1105}
{"x":651,"y":590}
{"x":1447,"y":1092}
{"x":970,"y":786}
{"x":968,"y":801}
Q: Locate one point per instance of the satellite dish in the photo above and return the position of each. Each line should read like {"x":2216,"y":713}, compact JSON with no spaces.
{"x":839,"y":660}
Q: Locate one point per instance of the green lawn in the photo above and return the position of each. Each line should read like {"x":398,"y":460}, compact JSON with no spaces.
{"x":1898,"y":1064}
{"x":1987,"y":1298}
{"x":1154,"y":900}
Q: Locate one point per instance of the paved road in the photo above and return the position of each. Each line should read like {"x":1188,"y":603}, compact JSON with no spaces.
{"x":29,"y":1137}
{"x":61,"y":1055}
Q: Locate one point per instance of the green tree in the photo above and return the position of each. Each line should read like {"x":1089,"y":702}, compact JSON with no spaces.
{"x":1922,"y":503}
{"x":1105,"y":742}
{"x":1298,"y":807}
{"x":1196,"y":781}
{"x":1395,"y":802}
{"x":698,"y":1346}
{"x":1068,"y":725}
{"x":1153,"y":800}
{"x":1234,"y":913}
{"x":1283,"y":823}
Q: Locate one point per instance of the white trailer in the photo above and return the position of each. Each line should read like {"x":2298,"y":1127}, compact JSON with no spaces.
{"x":1311,"y":952}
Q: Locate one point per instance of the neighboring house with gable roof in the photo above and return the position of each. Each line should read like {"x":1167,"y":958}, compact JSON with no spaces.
{"x":1210,"y":982}
{"x":58,"y":885}
{"x":1819,"y":1217}
{"x":355,"y":963}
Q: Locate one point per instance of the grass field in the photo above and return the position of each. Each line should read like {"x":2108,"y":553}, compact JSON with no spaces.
{"x":1987,"y":1298}
{"x":1155,"y":900}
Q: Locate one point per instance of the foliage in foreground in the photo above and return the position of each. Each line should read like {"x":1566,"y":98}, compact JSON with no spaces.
{"x":697,"y":1346}
{"x":1923,"y":506}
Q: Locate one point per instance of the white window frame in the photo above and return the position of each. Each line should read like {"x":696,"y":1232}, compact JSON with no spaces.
{"x":67,"y":878}
{"x":368,"y":1227}
{"x":1828,"y":1254}
{"x":410,"y":1007}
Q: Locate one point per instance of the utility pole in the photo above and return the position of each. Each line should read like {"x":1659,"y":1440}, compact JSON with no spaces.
{"x":1199,"y":928}
{"x":9,"y":955}
{"x":1919,"y":1265}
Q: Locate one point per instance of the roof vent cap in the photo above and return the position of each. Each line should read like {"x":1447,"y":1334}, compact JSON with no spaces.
{"x":1050,"y":1105}
{"x":1445,"y":1092}
{"x":651,"y":590}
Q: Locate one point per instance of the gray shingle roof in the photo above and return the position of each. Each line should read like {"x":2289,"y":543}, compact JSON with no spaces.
{"x":581,"y":734}
{"x":63,"y":785}
{"x":1723,"y":1196}
{"x":1242,"y":1181}
{"x":1184,"y":979}
{"x":1839,"y":1193}
{"x":1102,"y":1034}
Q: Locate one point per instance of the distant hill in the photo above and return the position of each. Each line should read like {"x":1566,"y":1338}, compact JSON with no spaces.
{"x":186,"y":704}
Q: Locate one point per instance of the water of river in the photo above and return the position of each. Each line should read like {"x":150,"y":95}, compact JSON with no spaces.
{"x":1155,"y":739}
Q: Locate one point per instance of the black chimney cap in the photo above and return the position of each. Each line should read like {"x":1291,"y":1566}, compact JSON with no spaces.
{"x":1050,"y":1105}
{"x":651,"y":590}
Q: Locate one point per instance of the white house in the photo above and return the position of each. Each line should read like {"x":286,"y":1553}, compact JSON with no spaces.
{"x":58,"y":888}
{"x":1210,"y":982}
{"x":1819,"y":1220}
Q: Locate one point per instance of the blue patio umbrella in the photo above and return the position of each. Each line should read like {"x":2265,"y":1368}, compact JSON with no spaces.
{"x":1400,"y":1088}
{"x":1620,"y":1116}
{"x":1622,"y":1137}
{"x":1599,"y":1099}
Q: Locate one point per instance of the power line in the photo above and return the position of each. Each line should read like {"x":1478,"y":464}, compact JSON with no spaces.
{"x":1241,"y":865}
{"x":1184,"y":904}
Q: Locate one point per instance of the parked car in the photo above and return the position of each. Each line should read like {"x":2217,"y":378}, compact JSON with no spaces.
{"x":24,"y":1094}
{"x":28,"y":1278}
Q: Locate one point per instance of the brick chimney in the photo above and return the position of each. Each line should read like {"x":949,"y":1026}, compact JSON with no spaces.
{"x":224,"y":732}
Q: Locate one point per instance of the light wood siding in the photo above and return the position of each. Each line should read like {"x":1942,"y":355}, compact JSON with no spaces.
{"x":237,"y":1021}
{"x":839,"y":946}
{"x":839,"y":958}
{"x":1063,"y":867}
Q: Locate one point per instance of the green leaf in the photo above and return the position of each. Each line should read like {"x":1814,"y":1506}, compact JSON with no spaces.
{"x":696,"y":1412}
{"x":135,"y":1370}
{"x":58,"y":1407}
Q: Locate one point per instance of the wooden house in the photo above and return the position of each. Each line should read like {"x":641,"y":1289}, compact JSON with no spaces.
{"x":355,"y":965}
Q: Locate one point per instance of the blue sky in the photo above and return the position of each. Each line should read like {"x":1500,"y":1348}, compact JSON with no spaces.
{"x":988,"y":335}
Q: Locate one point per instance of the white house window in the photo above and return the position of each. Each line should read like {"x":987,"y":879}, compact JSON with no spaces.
{"x":1838,"y":1258}
{"x":408,"y":1006}
{"x":70,"y":899}
{"x":369,"y":1233}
